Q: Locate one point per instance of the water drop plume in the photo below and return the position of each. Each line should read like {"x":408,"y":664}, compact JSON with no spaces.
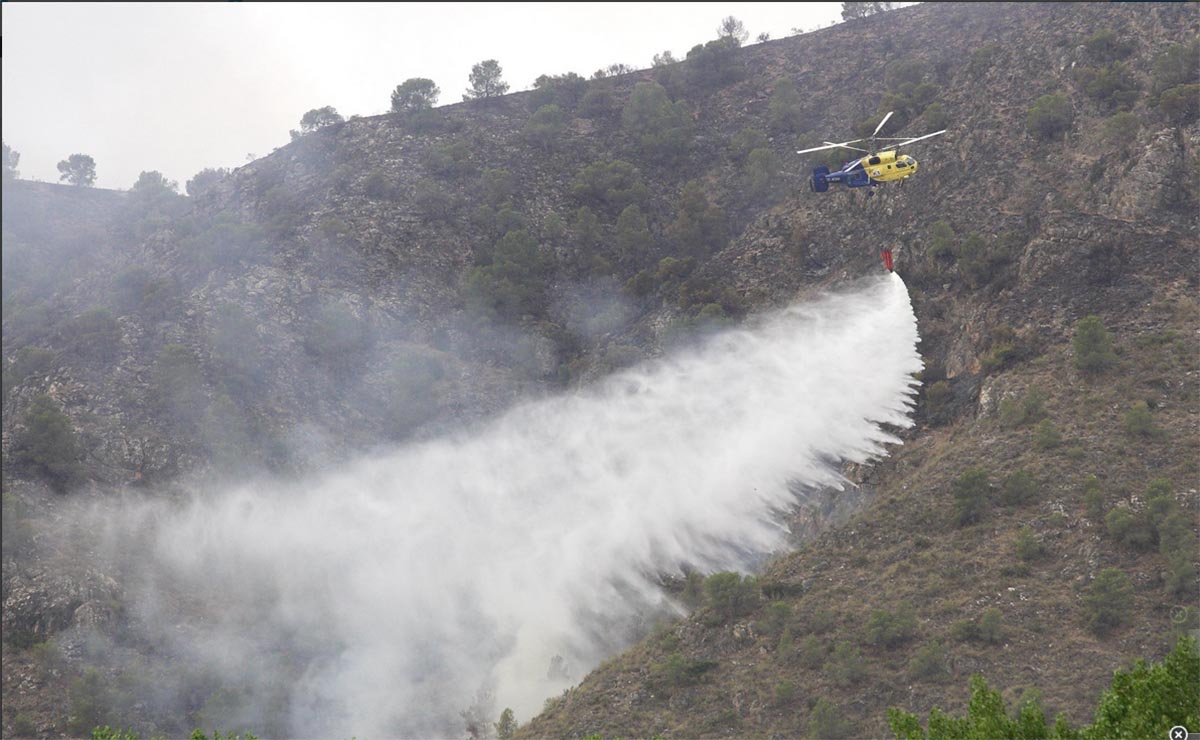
{"x":494,"y":568}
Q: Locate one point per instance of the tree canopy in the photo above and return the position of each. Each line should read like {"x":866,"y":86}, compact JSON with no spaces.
{"x":11,"y":157}
{"x":485,"y":81}
{"x":415,"y":94}
{"x":78,"y":169}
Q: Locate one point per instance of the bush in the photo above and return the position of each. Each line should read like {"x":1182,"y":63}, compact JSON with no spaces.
{"x":545,"y":126}
{"x":336,"y":336}
{"x":714,"y":64}
{"x":828,"y":721}
{"x":1093,"y":346}
{"x":514,"y":284}
{"x":812,"y":652}
{"x":1046,"y":436}
{"x":566,"y":91}
{"x":784,"y":111}
{"x":760,"y":177}
{"x":633,"y":235}
{"x":414,"y":94}
{"x":1093,"y":498}
{"x":730,"y":595}
{"x":1121,"y":129}
{"x":1130,"y":528}
{"x":434,"y":202}
{"x":699,"y":227}
{"x":990,"y":629}
{"x":1050,"y":117}
{"x":1178,"y":65}
{"x":1106,"y":46}
{"x":890,"y":629}
{"x":450,"y":160}
{"x":1109,"y":601}
{"x":612,"y":185}
{"x":1113,"y":87}
{"x":1180,"y":104}
{"x":971,"y":491}
{"x":744,"y":142}
{"x":1144,"y":702}
{"x":1018,"y":488}
{"x":600,"y":101}
{"x":1138,"y":421}
{"x":677,"y":671}
{"x":46,"y":446}
{"x":93,"y":333}
{"x":662,"y":129}
{"x":929,"y":663}
{"x":846,"y":665}
{"x":1028,"y":547}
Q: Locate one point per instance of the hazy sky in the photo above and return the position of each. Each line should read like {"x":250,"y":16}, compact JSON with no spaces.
{"x":177,"y":87}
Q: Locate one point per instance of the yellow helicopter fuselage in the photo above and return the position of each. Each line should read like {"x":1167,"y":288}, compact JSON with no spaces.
{"x":888,"y":166}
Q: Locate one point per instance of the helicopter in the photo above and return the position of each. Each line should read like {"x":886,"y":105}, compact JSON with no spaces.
{"x":872,"y":170}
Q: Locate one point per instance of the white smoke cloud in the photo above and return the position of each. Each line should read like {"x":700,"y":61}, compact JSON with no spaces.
{"x":383,"y":598}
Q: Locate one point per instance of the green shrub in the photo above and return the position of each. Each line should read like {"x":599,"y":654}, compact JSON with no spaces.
{"x":600,"y":101}
{"x":633,"y":234}
{"x":677,"y":671}
{"x":1019,"y":488}
{"x":93,"y":333}
{"x":760,"y":177}
{"x":1093,"y":498}
{"x":1050,"y":117}
{"x":784,"y":112}
{"x":731,"y":595}
{"x":338,"y":336}
{"x":1138,"y":421}
{"x":971,"y":491}
{"x":700,"y":226}
{"x":612,"y":185}
{"x":507,"y":726}
{"x":889,"y":629}
{"x":1106,"y":46}
{"x":566,"y":91}
{"x":1093,"y":346}
{"x":1046,"y":436}
{"x":662,"y":129}
{"x":88,"y":703}
{"x":1122,"y":128}
{"x":941,"y":240}
{"x":846,"y":665}
{"x":935,"y":117}
{"x":46,"y":445}
{"x":929,"y":663}
{"x":1132,"y":529}
{"x":1144,"y":702}
{"x":779,"y":614}
{"x":545,"y":127}
{"x":27,"y":362}
{"x":813,"y":651}
{"x":376,"y":185}
{"x":714,"y":64}
{"x":498,"y":187}
{"x":434,"y":203}
{"x":1177,"y":65}
{"x":514,"y":284}
{"x":828,"y":722}
{"x":450,"y":160}
{"x":1113,"y":87}
{"x":744,"y":142}
{"x":937,"y":398}
{"x":785,"y":691}
{"x":990,"y":627}
{"x":1109,"y":601}
{"x":982,"y":59}
{"x":1028,"y":547}
{"x":1180,"y":104}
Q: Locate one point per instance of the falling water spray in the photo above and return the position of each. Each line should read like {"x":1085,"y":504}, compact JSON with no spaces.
{"x":383,"y":599}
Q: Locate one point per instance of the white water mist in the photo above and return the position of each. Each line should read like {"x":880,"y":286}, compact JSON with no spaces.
{"x":386,"y":596}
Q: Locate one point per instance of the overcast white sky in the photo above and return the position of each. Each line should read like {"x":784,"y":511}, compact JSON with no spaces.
{"x":177,"y":87}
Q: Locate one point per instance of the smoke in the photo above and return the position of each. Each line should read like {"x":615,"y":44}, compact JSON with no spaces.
{"x":495,"y":567}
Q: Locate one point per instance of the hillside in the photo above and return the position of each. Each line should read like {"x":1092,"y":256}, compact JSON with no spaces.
{"x":394,"y":278}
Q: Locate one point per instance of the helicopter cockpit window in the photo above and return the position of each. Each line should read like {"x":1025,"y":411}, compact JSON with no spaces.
{"x":873,"y":160}
{"x":902,"y":163}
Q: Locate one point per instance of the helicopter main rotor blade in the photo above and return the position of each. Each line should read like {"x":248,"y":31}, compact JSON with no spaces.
{"x":828,"y":146}
{"x":885,"y":120}
{"x":849,"y":147}
{"x":926,"y":136}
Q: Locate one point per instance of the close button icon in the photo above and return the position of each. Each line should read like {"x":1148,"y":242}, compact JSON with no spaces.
{"x":1179,"y":733}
